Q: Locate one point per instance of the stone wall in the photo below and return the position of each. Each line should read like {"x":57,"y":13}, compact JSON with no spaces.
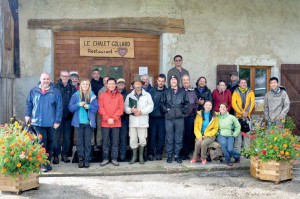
{"x":241,"y":32}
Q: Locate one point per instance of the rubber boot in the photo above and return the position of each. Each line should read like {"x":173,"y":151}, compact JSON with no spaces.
{"x":141,"y":155}
{"x":134,"y":156}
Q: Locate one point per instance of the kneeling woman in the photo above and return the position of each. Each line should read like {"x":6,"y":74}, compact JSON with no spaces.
{"x":229,"y":128}
{"x":205,"y":130}
{"x":84,"y":105}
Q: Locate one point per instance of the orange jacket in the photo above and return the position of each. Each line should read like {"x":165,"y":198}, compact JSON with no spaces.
{"x":111,"y":105}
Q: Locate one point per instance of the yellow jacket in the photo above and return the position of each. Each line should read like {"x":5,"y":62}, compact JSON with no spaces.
{"x":236,"y":102}
{"x":210,"y":131}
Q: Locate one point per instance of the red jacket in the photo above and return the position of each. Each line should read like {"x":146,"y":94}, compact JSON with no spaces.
{"x":220,"y":97}
{"x":111,"y":105}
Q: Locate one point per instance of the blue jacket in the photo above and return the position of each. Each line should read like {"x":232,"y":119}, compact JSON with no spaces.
{"x":44,"y":109}
{"x":74,"y":108}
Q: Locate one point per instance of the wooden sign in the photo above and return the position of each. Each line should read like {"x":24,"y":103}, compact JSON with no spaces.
{"x":107,"y":47}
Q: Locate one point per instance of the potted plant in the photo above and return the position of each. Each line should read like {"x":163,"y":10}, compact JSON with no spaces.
{"x":272,"y":150}
{"x":21,"y":158}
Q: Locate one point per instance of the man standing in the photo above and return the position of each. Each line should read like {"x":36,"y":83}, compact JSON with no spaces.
{"x":44,"y":111}
{"x":147,"y":86}
{"x":111,"y":105}
{"x":175,"y":104}
{"x":203,"y":92}
{"x":277,"y":103}
{"x":157,"y":129}
{"x":177,"y":71}
{"x":234,"y":82}
{"x":189,"y":118}
{"x":66,"y":89}
{"x":243,"y":101}
{"x":97,"y":81}
{"x":138,"y":104}
{"x":124,"y":121}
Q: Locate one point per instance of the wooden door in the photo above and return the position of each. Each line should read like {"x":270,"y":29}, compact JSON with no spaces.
{"x":290,"y":74}
{"x":223,"y":72}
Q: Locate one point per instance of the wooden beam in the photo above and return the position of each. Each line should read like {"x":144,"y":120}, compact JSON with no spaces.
{"x":154,"y":25}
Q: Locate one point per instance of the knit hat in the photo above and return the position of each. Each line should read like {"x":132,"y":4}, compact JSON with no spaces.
{"x":173,"y":76}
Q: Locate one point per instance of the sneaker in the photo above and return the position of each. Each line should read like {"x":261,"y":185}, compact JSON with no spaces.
{"x":178,"y":159}
{"x":193,"y":161}
{"x":229,"y":164}
{"x":44,"y":169}
{"x":104,"y":162}
{"x":80,"y":164}
{"x":115,"y":162}
{"x":49,"y":168}
{"x":204,"y":161}
{"x":87,"y":164}
{"x":158,"y":157}
{"x":55,"y":160}
{"x":169,"y":159}
{"x":65,"y":159}
{"x":150,"y":158}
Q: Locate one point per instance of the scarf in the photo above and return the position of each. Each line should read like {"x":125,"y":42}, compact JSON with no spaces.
{"x":243,"y":90}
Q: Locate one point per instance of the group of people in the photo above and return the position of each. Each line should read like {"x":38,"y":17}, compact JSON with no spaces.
{"x":183,"y":119}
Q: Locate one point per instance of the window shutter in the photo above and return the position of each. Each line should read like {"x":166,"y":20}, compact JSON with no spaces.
{"x":223,"y":72}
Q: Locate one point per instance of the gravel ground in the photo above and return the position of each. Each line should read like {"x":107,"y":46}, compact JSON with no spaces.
{"x":225,"y":184}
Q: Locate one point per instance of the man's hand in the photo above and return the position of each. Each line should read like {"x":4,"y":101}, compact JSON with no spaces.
{"x":245,"y":114}
{"x":27,"y":120}
{"x":56,"y":125}
{"x":134,"y":110}
{"x":110,"y":121}
{"x":81,"y":103}
{"x":138,"y":113}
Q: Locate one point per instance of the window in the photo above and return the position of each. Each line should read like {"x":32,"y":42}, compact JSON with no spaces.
{"x":258,"y":80}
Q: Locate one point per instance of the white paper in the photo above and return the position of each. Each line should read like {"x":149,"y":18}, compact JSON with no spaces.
{"x":143,"y":70}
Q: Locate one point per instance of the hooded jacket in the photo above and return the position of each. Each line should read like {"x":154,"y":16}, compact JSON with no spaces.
{"x":44,"y":109}
{"x":237,"y":102}
{"x":210,"y":131}
{"x":156,"y":95}
{"x":277,"y":103}
{"x":221,"y":97}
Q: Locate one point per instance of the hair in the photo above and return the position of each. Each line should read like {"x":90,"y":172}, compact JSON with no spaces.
{"x":162,"y":76}
{"x":177,"y":56}
{"x":223,"y":103}
{"x":220,"y":81}
{"x":241,"y":79}
{"x":74,"y":75}
{"x":145,"y":75}
{"x":199,"y":80}
{"x":212,"y":112}
{"x":66,"y":71}
{"x":95,"y":69}
{"x":274,"y":78}
{"x":111,"y":79}
{"x":85,"y":96}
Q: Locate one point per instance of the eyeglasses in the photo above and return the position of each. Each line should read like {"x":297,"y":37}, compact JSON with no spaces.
{"x":177,"y":60}
{"x":65,"y":76}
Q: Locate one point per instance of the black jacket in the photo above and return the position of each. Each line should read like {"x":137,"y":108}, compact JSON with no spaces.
{"x":124,"y":94}
{"x":174,"y":106}
{"x":156,"y":96}
{"x":205,"y":94}
{"x":66,"y":93}
{"x":96,"y":85}
{"x":193,"y":106}
{"x":232,"y":86}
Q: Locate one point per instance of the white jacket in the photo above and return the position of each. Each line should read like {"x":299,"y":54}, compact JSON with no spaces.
{"x":145,"y":104}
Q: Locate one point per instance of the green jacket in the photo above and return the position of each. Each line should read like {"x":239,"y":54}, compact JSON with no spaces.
{"x":228,"y":125}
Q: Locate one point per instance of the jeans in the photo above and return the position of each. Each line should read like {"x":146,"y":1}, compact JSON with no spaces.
{"x":48,"y":136}
{"x":157,"y":133}
{"x":107,"y":134}
{"x":123,"y":136}
{"x":188,"y":135}
{"x":227,"y":143}
{"x":64,"y":130}
{"x":174,"y":129}
{"x":84,"y":134}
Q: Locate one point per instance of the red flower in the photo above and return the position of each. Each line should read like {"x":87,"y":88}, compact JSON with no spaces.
{"x":264,"y":151}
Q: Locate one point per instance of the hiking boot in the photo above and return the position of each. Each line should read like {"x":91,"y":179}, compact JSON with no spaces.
{"x":169,"y":159}
{"x":80,"y":162}
{"x":178,"y":159}
{"x":115,"y":162}
{"x":87,"y":164}
{"x":55,"y":160}
{"x":104,"y":162}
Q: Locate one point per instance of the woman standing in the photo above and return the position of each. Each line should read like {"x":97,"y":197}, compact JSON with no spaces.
{"x":229,"y":128}
{"x":205,"y":130}
{"x":84,"y":106}
{"x":221,"y":95}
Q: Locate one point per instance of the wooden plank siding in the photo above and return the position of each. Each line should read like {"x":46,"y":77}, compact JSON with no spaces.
{"x":67,"y":53}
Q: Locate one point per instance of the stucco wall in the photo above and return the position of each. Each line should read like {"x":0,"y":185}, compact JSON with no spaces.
{"x":216,"y":32}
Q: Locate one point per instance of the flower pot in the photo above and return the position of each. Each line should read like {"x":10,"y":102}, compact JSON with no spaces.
{"x":19,"y":183}
{"x":275,"y":171}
